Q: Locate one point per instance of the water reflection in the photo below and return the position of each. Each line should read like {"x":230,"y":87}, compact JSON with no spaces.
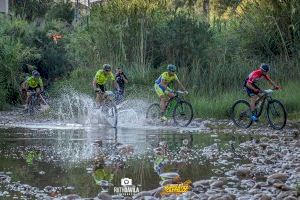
{"x":96,"y":158}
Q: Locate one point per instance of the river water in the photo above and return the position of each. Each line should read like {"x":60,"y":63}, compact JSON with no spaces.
{"x":67,"y":159}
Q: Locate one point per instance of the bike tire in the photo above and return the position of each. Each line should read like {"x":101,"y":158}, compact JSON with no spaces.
{"x":245,"y":114}
{"x":271,"y":111}
{"x":153,"y":111}
{"x":179,"y":111}
{"x":111,"y":113}
{"x":31,"y":106}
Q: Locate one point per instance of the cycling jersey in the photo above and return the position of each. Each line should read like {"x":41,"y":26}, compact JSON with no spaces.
{"x":256,"y":75}
{"x":167,"y":78}
{"x":160,"y":89}
{"x":34,"y":82}
{"x":101,"y":77}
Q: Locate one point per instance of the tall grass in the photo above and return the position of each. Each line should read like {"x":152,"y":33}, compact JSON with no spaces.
{"x":214,"y":104}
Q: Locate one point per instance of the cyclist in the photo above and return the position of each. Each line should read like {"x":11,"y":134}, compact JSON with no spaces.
{"x":121,"y":79}
{"x":162,"y":89}
{"x":253,"y":90}
{"x":34,"y":84}
{"x":101,"y":77}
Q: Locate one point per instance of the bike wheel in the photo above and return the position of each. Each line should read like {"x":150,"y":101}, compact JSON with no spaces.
{"x":31,"y":106}
{"x":153,"y":112}
{"x":241,"y":114}
{"x":110,"y":112}
{"x":183,"y":113}
{"x":276,"y":114}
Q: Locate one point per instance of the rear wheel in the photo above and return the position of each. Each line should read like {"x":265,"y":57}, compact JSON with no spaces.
{"x":241,"y":114}
{"x":276,"y":114}
{"x":183,"y":113}
{"x":153,"y":112}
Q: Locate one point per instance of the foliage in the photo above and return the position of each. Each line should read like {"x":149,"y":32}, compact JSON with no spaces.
{"x":12,"y":53}
{"x":30,"y":9}
{"x":61,"y":11}
{"x":215,"y":44}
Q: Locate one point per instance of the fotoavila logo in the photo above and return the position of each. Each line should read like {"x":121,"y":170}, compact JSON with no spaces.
{"x":127,"y":188}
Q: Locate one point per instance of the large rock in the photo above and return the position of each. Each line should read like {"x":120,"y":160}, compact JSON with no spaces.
{"x":282,"y":186}
{"x":142,"y":194}
{"x":290,"y":198}
{"x":285,"y":194}
{"x":222,"y":197}
{"x":201,"y":183}
{"x":104,"y":196}
{"x":261,"y":197}
{"x":217,"y":184}
{"x":278,"y":176}
{"x":243,"y":172}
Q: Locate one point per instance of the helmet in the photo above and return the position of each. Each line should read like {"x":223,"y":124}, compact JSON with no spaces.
{"x":171,"y":68}
{"x":35,"y":73}
{"x":265,"y":67}
{"x":106,"y":67}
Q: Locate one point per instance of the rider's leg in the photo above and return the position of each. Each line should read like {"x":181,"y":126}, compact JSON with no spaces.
{"x":160,"y":92}
{"x":99,"y":98}
{"x":100,"y":95}
{"x":163,"y":103}
{"x":253,"y":99}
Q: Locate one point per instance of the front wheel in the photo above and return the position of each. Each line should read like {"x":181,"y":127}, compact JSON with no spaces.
{"x":31,"y":106}
{"x":276,"y":114}
{"x":241,"y":114}
{"x":183,"y":113}
{"x":110,"y":111}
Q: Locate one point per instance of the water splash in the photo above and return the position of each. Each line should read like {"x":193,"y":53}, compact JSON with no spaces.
{"x":76,"y":107}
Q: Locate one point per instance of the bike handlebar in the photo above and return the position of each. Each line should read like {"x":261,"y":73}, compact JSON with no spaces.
{"x":181,"y":92}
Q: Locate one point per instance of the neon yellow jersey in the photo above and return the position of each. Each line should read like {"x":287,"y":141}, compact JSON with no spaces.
{"x":34,"y":82}
{"x":166,"y":77}
{"x":103,"y":174}
{"x":101,"y":77}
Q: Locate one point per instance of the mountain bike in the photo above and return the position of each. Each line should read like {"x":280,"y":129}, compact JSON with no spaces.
{"x":275,"y":111}
{"x":177,"y":108}
{"x":109,"y":109}
{"x":34,"y":103}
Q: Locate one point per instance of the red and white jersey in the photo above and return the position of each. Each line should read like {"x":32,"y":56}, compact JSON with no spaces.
{"x":256,"y":75}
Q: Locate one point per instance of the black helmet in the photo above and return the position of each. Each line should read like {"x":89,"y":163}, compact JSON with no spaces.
{"x":107,"y":67}
{"x":35,"y":73}
{"x":265,"y":67}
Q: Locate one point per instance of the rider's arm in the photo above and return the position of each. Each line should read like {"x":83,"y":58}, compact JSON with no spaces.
{"x":124,"y":78}
{"x":270,"y":81}
{"x":180,"y":84}
{"x":114,"y":82}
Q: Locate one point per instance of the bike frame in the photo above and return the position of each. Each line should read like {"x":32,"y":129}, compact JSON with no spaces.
{"x":264,"y":98}
{"x":177,"y":98}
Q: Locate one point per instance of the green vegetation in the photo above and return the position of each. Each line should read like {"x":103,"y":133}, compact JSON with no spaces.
{"x":215,"y":45}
